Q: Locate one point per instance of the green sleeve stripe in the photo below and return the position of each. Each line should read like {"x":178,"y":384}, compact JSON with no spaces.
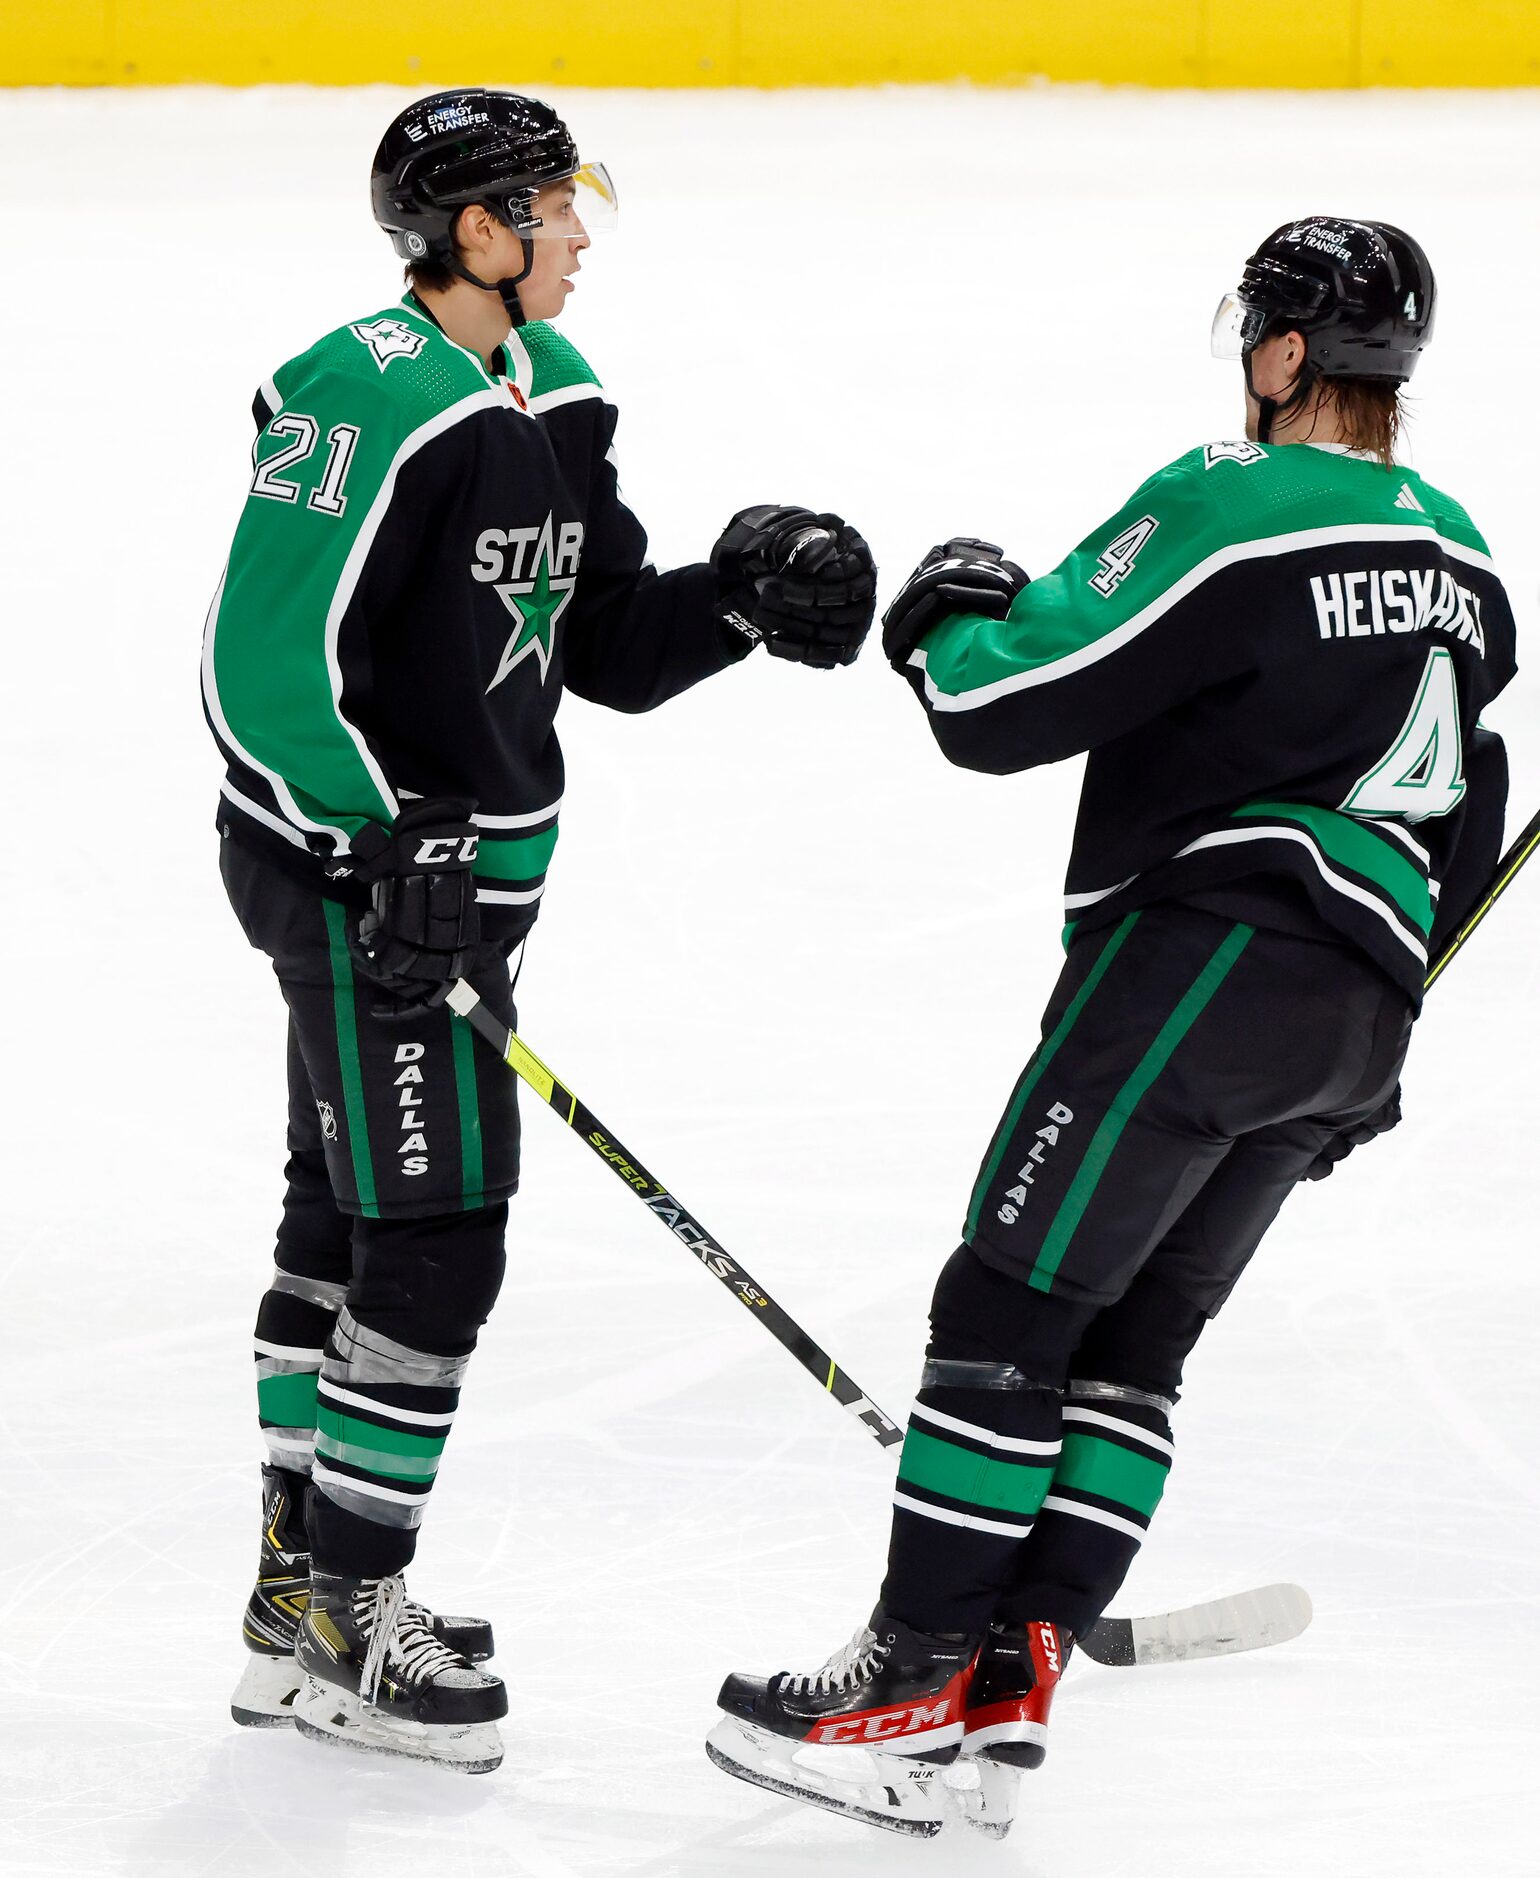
{"x":524,"y":858}
{"x":1088,"y":1175}
{"x":348,"y":1059}
{"x":288,"y":1401}
{"x":340,"y":1428}
{"x":978,"y":1479}
{"x":1112,"y":1473}
{"x":272,"y":669}
{"x":1044,"y":1055}
{"x":1354,"y":844}
{"x":471,"y":1176}
{"x":1059,"y":625}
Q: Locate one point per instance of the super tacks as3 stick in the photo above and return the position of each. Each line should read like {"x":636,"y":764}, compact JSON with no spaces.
{"x":683,"y":1224}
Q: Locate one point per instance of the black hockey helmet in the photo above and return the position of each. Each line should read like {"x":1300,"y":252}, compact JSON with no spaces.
{"x":480,"y":145}
{"x":1361,"y":295}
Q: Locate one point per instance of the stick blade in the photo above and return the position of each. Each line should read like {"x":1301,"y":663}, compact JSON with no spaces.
{"x":1250,"y":1620}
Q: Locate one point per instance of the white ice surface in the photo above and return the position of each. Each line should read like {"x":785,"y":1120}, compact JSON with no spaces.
{"x":789,"y":956}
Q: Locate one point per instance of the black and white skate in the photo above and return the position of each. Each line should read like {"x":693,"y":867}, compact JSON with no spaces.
{"x":867,"y":1735}
{"x":265,"y":1695}
{"x":377,"y":1677}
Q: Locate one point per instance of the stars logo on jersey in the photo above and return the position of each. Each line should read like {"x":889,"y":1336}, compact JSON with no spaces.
{"x":389,"y":339}
{"x":533,"y":572}
{"x":1242,"y":453}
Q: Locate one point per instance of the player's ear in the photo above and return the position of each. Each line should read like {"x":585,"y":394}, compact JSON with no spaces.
{"x":473,"y":228}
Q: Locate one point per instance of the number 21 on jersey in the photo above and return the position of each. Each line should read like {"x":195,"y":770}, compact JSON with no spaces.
{"x":1422,"y":774}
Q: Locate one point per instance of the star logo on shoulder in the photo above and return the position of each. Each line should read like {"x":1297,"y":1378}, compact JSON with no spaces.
{"x":1242,"y":453}
{"x":389,"y":339}
{"x":536,"y":604}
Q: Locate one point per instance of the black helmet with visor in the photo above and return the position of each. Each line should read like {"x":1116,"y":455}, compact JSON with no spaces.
{"x":479,"y":145}
{"x":1360,"y":294}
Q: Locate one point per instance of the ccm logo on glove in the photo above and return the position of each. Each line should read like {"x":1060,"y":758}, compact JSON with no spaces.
{"x":447,"y":851}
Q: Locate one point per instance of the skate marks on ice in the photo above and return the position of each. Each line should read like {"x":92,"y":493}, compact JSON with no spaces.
{"x":269,"y":1802}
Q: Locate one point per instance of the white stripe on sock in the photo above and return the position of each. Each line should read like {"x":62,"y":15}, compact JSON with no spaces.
{"x":975,"y":1522}
{"x":1011,"y":1444}
{"x":1131,"y":1429}
{"x":334,"y":1392}
{"x":321,"y":1472}
{"x":1053,"y":1504}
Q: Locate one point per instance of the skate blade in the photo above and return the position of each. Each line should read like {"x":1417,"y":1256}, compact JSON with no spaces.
{"x":886,"y":1790}
{"x":338,"y":1718}
{"x":264,"y":1696}
{"x":983,"y":1793}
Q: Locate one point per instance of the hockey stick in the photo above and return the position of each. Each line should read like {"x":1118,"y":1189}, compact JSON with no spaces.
{"x":1251,"y":1620}
{"x":1518,"y":853}
{"x":684,"y":1226}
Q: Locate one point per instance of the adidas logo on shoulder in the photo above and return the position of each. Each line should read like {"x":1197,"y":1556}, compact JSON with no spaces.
{"x":1407,"y":500}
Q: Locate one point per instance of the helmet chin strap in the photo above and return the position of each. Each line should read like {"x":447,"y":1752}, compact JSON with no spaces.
{"x":505,"y":289}
{"x":1269,"y":410}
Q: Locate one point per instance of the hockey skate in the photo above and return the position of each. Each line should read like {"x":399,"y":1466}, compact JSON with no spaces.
{"x":265,"y":1695}
{"x":867,"y":1735}
{"x":1005,"y":1724}
{"x":377,"y":1677}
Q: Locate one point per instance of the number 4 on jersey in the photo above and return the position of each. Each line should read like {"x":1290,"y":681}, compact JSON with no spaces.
{"x":1116,"y":561}
{"x":1422,"y":773}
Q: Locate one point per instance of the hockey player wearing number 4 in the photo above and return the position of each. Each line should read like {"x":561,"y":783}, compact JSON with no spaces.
{"x":1275,"y":655}
{"x":433,"y":548}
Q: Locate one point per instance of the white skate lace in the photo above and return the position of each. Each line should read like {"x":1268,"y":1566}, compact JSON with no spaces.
{"x":856,"y":1662}
{"x":399,"y":1638}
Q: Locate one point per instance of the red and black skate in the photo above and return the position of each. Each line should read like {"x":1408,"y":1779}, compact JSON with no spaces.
{"x":867,"y":1735}
{"x":1005,"y":1727}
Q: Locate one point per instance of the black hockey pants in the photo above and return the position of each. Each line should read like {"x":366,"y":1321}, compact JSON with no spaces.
{"x":1190,"y":1070}
{"x":403,"y":1149}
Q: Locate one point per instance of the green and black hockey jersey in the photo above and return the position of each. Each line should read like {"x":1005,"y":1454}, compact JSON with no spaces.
{"x":1276,"y":658}
{"x":428,"y":555}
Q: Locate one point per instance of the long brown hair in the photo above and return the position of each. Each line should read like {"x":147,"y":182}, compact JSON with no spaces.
{"x":1369,"y":412}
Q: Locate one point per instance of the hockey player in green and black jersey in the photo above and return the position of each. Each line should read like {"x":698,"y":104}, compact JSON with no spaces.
{"x":1275,"y":654}
{"x":433,"y":548}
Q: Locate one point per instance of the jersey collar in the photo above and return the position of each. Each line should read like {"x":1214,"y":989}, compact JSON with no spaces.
{"x":1342,"y":449}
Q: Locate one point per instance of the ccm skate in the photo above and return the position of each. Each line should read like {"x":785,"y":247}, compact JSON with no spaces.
{"x":1005,"y":1724}
{"x":867,"y":1735}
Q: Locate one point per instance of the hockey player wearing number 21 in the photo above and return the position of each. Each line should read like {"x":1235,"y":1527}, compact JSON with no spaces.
{"x":433,"y":548}
{"x":1275,"y":655}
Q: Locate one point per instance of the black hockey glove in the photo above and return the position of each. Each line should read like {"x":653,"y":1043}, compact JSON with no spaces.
{"x":958,"y":576}
{"x":1342,"y":1145}
{"x":417,"y":937}
{"x":804,"y":583}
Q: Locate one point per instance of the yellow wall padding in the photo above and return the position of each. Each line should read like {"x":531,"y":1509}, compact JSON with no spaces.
{"x":1299,"y":43}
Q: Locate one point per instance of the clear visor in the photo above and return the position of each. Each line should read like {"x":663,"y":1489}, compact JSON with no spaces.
{"x":1237,"y":328}
{"x":578,"y":205}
